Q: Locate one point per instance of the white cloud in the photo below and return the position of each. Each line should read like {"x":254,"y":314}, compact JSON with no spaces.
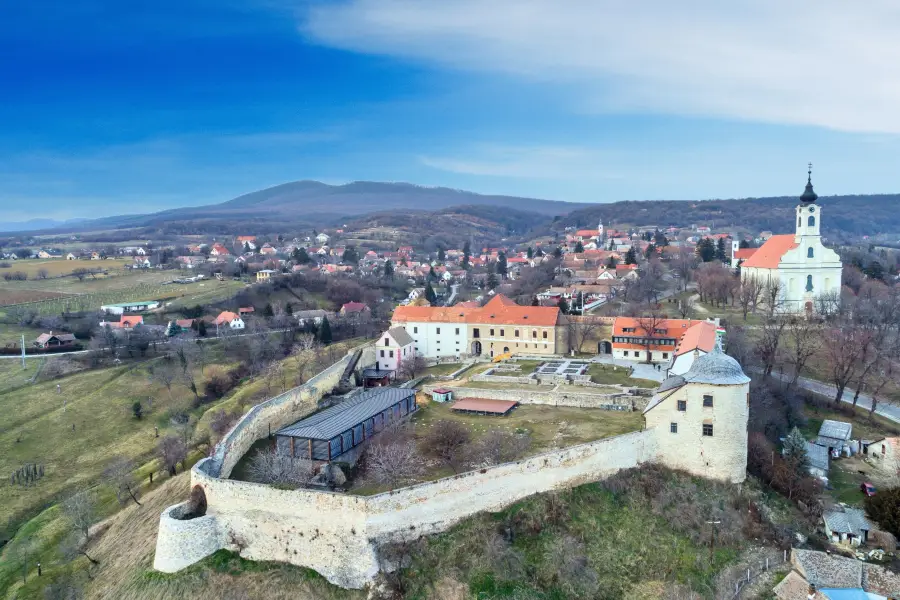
{"x":534,"y":162}
{"x":828,"y":63}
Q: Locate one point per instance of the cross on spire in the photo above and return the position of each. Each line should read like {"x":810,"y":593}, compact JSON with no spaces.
{"x":809,"y":173}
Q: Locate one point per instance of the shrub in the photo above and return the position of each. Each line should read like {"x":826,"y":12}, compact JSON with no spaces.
{"x":884,"y":507}
{"x":446,"y":441}
{"x":137,"y":410}
{"x":218,"y":382}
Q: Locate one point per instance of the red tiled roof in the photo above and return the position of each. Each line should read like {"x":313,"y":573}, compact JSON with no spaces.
{"x":131,"y":320}
{"x":744,"y":253}
{"x":769,"y":254}
{"x":500,"y":407}
{"x":500,"y":310}
{"x":354,"y":307}
{"x":675,"y":329}
{"x":184,"y":323}
{"x":701,"y":336}
{"x":225,"y":316}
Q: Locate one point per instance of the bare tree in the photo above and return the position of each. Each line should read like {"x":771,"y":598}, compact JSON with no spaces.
{"x":773,"y":297}
{"x":748,"y":294}
{"x":268,"y":466}
{"x":803,"y":344}
{"x":171,"y":450}
{"x":80,"y":273}
{"x":498,"y":447}
{"x":446,"y":442}
{"x":686,"y":307}
{"x":43,"y":273}
{"x":412,"y":366}
{"x":843,"y":348}
{"x":164,"y":373}
{"x":80,"y":512}
{"x":581,"y":329}
{"x":653,"y":326}
{"x":683,"y":264}
{"x":887,"y":374}
{"x":393,"y":458}
{"x":651,"y":282}
{"x":768,"y":344}
{"x":119,"y":475}
{"x":828,"y":305}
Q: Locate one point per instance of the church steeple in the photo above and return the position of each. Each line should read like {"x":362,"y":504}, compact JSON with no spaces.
{"x":809,"y":195}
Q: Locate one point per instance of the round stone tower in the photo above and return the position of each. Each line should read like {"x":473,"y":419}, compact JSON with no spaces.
{"x":700,"y":418}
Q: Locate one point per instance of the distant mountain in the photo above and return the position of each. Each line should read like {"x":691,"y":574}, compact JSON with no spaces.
{"x":316,"y":203}
{"x":33,"y":224}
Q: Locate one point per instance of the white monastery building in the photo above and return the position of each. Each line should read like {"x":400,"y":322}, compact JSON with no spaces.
{"x":805,"y":268}
{"x":394,"y":347}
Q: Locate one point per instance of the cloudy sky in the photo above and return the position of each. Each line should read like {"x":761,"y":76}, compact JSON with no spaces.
{"x":111,"y":107}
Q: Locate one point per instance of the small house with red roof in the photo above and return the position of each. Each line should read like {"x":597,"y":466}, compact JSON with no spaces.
{"x":355,"y":308}
{"x":227,"y":318}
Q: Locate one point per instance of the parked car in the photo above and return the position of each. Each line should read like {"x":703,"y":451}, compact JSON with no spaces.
{"x":867,"y":488}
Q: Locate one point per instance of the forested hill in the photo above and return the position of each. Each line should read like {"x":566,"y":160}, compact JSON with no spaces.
{"x":849,"y":215}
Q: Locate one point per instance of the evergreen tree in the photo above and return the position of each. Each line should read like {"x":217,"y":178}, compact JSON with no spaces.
{"x":288,"y":309}
{"x":325,"y":331}
{"x":267,"y":310}
{"x":557,"y":252}
{"x":579,"y":247}
{"x":651,"y":251}
{"x":795,"y":451}
{"x":432,"y":276}
{"x":875,"y":270}
{"x":429,"y":293}
{"x":539,"y":252}
{"x":720,"y":250}
{"x":660,"y":239}
{"x":706,"y":250}
{"x":611,"y":263}
{"x":201,"y":328}
{"x":350,"y":256}
{"x":300,"y":256}
{"x":388,"y":269}
{"x":612,"y":245}
{"x":529,"y":253}
{"x":535,"y":301}
{"x":246,"y":246}
{"x":744,"y":244}
{"x":502,"y":269}
{"x":172,"y":329}
{"x":631,"y":257}
{"x":563,"y":306}
{"x":467,"y":248}
{"x":442,"y":256}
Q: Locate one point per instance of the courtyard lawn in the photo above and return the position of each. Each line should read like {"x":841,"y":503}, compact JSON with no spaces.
{"x":618,"y":376}
{"x":443,"y":369}
{"x":550,"y":428}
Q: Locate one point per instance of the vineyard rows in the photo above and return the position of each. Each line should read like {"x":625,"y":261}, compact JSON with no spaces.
{"x":90,"y":301}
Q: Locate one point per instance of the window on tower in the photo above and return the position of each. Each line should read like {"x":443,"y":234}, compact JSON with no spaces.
{"x":810,"y":253}
{"x":812,"y":221}
{"x":799,"y":222}
{"x":809,"y":284}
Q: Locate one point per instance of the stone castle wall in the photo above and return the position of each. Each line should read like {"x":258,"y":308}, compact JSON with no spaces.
{"x":579,"y":399}
{"x":337,"y":534}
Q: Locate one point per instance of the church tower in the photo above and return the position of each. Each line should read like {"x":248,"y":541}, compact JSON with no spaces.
{"x":600,"y":232}
{"x":808,"y":214}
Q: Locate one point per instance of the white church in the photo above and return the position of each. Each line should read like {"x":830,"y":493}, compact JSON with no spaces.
{"x":805,"y":268}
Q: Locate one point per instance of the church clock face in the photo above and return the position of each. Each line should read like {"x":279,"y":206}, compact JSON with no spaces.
{"x":812,"y":209}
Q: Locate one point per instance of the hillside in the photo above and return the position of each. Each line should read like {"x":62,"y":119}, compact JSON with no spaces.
{"x":641,"y":533}
{"x":311,"y":203}
{"x":844,"y":215}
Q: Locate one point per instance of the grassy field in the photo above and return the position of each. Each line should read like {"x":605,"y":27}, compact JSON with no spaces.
{"x":205,"y":292}
{"x":618,"y":376}
{"x":75,"y":433}
{"x":10,"y":296}
{"x":443,"y":369}
{"x":60,"y":266}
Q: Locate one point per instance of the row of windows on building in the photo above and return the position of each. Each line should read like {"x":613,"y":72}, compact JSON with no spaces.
{"x":476,"y":333}
{"x":707,"y":429}
{"x":637,"y":354}
{"x":620,"y":339}
{"x":707,"y":403}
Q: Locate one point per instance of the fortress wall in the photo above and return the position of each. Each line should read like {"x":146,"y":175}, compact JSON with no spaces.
{"x":337,"y":534}
{"x":579,"y":399}
{"x":180,"y":544}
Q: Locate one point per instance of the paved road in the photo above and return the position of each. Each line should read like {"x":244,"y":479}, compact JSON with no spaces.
{"x":889,"y":411}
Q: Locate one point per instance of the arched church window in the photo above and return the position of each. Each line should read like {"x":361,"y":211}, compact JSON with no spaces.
{"x":810,"y":253}
{"x":799,"y":222}
{"x":809,"y":285}
{"x":812,"y":221}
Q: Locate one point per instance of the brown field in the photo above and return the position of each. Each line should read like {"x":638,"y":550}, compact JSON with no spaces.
{"x":60,"y":266}
{"x":8,"y":296}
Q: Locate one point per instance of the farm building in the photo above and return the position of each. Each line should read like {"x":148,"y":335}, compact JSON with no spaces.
{"x":336,"y":432}
{"x":834,"y":435}
{"x":54,"y":340}
{"x":482,"y":406}
{"x":130,"y":307}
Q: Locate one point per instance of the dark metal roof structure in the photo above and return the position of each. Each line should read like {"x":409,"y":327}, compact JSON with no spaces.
{"x":337,"y":419}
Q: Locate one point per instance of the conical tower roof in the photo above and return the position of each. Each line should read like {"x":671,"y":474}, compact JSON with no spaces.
{"x":809,"y":195}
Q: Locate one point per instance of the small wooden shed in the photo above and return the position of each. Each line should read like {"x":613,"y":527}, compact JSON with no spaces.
{"x":442,"y":395}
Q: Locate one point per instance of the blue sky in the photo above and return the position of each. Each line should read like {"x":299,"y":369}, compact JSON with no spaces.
{"x":120,"y":107}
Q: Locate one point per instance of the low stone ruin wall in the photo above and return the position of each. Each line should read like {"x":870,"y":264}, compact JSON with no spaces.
{"x":573,"y":398}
